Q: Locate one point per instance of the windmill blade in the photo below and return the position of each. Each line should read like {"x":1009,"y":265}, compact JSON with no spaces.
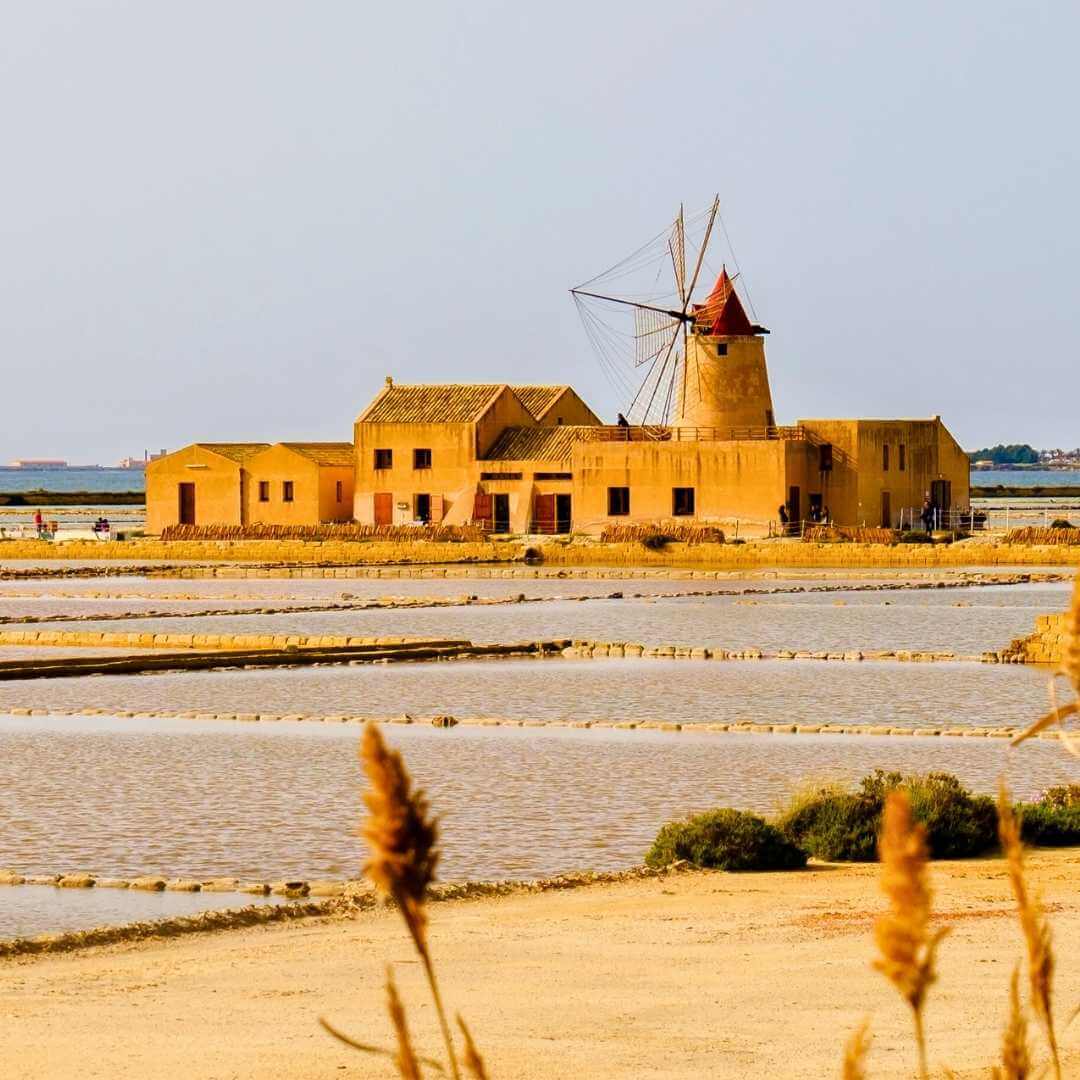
{"x":652,"y":330}
{"x":677,"y":249}
{"x":701,"y":253}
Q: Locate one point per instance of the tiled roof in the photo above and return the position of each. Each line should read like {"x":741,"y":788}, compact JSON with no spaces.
{"x":453,"y":403}
{"x":536,"y":443}
{"x":236,"y":451}
{"x":538,"y":399}
{"x":325,"y":453}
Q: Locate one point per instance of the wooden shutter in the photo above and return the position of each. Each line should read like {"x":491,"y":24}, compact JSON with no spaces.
{"x":544,"y":514}
{"x":437,"y":509}
{"x":384,"y":508}
{"x":483,"y":514}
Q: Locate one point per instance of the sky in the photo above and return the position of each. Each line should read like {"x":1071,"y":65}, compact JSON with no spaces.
{"x":232,"y":220}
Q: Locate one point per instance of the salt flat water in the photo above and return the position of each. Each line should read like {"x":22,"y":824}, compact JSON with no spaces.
{"x":687,"y":691}
{"x":122,"y":797}
{"x":101,"y":480}
{"x":966,"y":621}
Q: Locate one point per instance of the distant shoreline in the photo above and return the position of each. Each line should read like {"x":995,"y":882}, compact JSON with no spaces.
{"x":72,"y":498}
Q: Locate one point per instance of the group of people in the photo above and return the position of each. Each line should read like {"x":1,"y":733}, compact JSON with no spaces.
{"x":43,"y":528}
{"x":819,"y":515}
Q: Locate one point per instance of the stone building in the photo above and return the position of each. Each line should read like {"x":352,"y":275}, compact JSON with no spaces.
{"x":527,"y":459}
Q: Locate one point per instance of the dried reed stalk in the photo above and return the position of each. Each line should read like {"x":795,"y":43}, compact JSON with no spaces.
{"x":855,"y":1051}
{"x":905,"y":943}
{"x":407,"y":1065}
{"x":402,"y":839}
{"x":474,"y":1063}
{"x":1033,"y":922}
{"x":1015,"y":1055}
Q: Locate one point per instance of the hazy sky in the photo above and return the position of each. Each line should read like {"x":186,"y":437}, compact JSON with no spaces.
{"x":231,"y":220}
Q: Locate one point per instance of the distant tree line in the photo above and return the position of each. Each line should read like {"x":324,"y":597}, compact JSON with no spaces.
{"x":1007,"y":455}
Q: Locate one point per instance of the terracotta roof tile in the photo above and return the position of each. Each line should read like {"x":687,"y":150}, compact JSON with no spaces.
{"x":454,"y":403}
{"x":326,"y":453}
{"x":538,"y":399}
{"x":536,"y":443}
{"x":240,"y":451}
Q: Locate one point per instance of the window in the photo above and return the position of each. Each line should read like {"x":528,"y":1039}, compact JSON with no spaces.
{"x":422,"y":508}
{"x":384,"y":459}
{"x":682,"y":502}
{"x":721,"y":348}
{"x":553,"y":476}
{"x":286,"y":491}
{"x":339,"y":490}
{"x":500,"y":476}
{"x":903,"y":457}
{"x":885,"y":457}
{"x":264,"y":491}
{"x":618,"y":501}
{"x":421,"y":459}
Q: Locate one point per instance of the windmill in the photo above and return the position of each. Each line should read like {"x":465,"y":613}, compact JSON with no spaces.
{"x":639,"y":314}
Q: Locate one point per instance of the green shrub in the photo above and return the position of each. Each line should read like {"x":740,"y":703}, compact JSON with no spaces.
{"x":1061,"y":796}
{"x":842,"y":826}
{"x":1061,"y":523}
{"x":913,"y":536}
{"x":725,"y":840}
{"x":1050,"y":826}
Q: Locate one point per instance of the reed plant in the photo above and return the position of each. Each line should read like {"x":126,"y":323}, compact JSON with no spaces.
{"x":402,"y":837}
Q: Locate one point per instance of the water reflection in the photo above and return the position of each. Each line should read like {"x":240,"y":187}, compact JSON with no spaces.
{"x":124,"y":796}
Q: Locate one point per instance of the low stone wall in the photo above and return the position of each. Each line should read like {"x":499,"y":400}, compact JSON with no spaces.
{"x":98,"y":639}
{"x":1045,"y":646}
{"x":555,"y":552}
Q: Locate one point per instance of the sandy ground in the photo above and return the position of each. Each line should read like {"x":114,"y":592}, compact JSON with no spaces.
{"x":692,"y":975}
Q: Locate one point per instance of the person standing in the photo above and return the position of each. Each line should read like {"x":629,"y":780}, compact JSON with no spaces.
{"x":39,"y":523}
{"x":928,"y":516}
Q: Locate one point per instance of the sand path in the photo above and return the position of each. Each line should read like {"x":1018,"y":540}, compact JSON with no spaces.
{"x":692,"y":975}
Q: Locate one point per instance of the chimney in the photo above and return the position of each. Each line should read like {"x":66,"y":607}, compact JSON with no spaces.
{"x":389,"y":380}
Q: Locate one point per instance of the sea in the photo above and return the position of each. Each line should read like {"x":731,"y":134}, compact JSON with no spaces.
{"x":100,"y":480}
{"x":1025,"y":478}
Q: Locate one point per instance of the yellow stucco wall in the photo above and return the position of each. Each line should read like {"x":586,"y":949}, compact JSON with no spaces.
{"x":568,"y":408}
{"x":314,"y":489}
{"x":217,"y":481}
{"x":725,"y":392}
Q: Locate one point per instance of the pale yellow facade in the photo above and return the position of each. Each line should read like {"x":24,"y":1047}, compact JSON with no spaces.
{"x":523,"y":459}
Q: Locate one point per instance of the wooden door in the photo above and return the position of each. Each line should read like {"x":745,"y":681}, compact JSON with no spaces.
{"x":794,"y":506}
{"x":438,"y":509}
{"x":941,"y":495}
{"x":187,"y":504}
{"x":482,"y":510}
{"x":563,"y":516}
{"x":544,"y":514}
{"x":384,"y":508}
{"x":886,"y":510}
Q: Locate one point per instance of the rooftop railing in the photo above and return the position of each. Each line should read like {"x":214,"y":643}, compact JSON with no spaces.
{"x":664,"y":433}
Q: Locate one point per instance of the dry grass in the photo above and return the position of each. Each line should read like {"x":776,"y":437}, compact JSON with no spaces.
{"x":1034,"y":924}
{"x":1039,"y":535}
{"x":402,"y":838}
{"x":855,"y":1052}
{"x":905,"y":943}
{"x":346,"y":530}
{"x":1015,"y":1054}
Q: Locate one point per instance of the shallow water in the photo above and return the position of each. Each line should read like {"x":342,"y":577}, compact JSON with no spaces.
{"x":966,"y":621}
{"x":687,"y":691}
{"x":28,"y":910}
{"x":263,"y":801}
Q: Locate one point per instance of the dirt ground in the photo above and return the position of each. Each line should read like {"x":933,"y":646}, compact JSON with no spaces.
{"x":692,"y":975}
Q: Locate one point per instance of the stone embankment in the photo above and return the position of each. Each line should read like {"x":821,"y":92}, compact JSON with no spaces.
{"x":303,"y":654}
{"x":747,"y":726}
{"x":558,"y":552}
{"x":1045,"y":646}
{"x":344,"y":900}
{"x":386,"y":603}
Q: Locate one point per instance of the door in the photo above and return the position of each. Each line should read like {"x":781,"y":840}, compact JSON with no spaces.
{"x":941,"y":495}
{"x":562,"y":513}
{"x":187,"y":504}
{"x":423,"y":508}
{"x":482,"y":510}
{"x":502,"y":513}
{"x":438,"y":509}
{"x":384,"y":508}
{"x":544,"y":514}
{"x":886,"y":510}
{"x":794,"y":507}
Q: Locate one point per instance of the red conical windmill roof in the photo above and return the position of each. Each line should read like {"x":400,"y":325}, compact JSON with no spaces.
{"x":722,"y":313}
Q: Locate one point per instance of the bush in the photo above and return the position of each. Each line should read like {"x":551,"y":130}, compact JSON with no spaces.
{"x":842,"y":826}
{"x":1060,"y":797}
{"x":654,"y":541}
{"x":1050,"y":826}
{"x":1062,"y":523}
{"x":725,"y":840}
{"x":915,"y":537}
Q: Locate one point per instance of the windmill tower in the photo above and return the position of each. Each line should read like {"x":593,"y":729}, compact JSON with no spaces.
{"x":704,"y":363}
